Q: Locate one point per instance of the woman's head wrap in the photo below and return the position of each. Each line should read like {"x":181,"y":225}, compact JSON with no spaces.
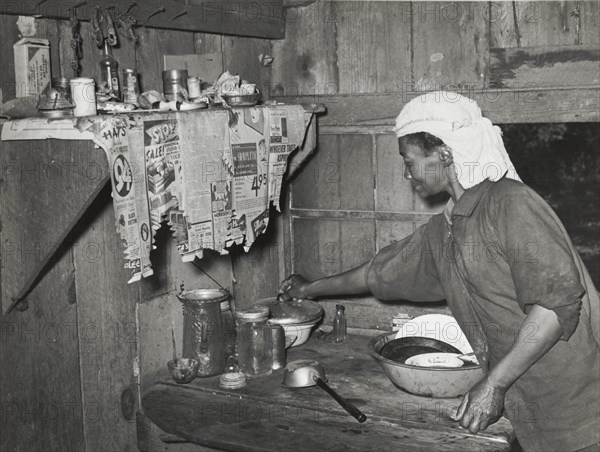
{"x":477,"y":147}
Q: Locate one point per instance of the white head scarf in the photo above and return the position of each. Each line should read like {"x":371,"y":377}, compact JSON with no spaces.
{"x":477,"y":147}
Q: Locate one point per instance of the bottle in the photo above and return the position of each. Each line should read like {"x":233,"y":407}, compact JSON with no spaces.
{"x":339,"y":324}
{"x":109,"y":69}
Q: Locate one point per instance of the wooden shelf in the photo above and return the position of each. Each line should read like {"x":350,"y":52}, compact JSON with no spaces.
{"x":264,"y":416}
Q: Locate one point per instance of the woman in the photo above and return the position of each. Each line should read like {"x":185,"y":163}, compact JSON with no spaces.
{"x":502,"y":260}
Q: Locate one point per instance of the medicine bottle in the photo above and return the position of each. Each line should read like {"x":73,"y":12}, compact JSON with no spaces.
{"x":339,"y":324}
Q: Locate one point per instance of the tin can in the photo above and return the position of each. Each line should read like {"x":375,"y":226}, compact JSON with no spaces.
{"x":175,"y":84}
{"x":131,"y":90}
{"x":194,"y":87}
{"x":83,"y":94}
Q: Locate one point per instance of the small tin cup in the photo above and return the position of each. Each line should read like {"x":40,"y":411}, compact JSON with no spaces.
{"x":278,"y":338}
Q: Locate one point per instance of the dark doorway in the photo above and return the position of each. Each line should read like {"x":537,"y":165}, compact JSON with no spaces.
{"x":562,"y":163}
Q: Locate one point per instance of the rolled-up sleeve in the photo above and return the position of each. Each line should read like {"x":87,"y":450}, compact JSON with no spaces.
{"x":405,"y":270}
{"x":541,"y":261}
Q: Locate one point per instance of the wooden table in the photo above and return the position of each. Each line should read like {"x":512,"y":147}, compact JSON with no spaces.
{"x":264,"y":416}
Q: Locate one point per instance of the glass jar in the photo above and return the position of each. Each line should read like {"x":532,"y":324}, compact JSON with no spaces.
{"x":254,"y":342}
{"x":229,"y":328}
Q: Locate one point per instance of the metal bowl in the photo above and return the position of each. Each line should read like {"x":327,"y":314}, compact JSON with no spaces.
{"x":183,"y":370}
{"x":425,"y":381}
{"x":241,"y":100}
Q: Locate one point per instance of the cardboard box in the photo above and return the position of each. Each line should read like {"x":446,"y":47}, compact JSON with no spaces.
{"x":32,"y":66}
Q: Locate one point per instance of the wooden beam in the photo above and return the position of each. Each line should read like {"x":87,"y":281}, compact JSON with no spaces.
{"x":359,"y":215}
{"x":229,"y":17}
{"x":501,"y":106}
{"x":544,"y":66}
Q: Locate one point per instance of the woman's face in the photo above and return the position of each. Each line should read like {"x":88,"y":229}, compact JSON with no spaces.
{"x":427,"y":173}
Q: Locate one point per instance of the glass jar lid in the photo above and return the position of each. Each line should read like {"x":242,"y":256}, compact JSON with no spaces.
{"x":294,"y":311}
{"x":255,"y":313}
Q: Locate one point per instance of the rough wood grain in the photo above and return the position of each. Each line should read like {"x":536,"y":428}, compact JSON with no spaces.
{"x":149,"y":438}
{"x":503,"y":25}
{"x":49,"y":30}
{"x":157,"y":318}
{"x":306,"y":62}
{"x":40,"y":382}
{"x":8,"y":25}
{"x":503,"y":106}
{"x":153,"y":44}
{"x":89,"y":63}
{"x":106,"y":315}
{"x":556,"y":66}
{"x":220,"y":16}
{"x":548,"y":23}
{"x":325,"y":247}
{"x":449,"y":45}
{"x":265,"y":416}
{"x":44,"y":186}
{"x":241,"y":56}
{"x":339,"y":176}
{"x":394,"y":191}
{"x":257,"y":271}
{"x":373,"y":47}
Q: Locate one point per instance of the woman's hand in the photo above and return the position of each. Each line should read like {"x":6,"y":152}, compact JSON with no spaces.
{"x":481,"y":406}
{"x":294,"y":286}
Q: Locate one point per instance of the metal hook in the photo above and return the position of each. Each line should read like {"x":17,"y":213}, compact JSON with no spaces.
{"x":180,"y":13}
{"x":162,"y":9}
{"x":131,"y":5}
{"x":77,"y":5}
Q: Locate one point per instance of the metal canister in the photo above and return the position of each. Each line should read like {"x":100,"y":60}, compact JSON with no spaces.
{"x":175,"y":84}
{"x":278,"y":338}
{"x":131,"y":89}
{"x":202,"y":329}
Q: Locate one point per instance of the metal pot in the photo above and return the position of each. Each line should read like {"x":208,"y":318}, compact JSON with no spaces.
{"x":304,"y":373}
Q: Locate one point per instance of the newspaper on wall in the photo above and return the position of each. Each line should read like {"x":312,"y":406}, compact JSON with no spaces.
{"x":162,"y":154}
{"x":207,"y":198}
{"x":283,"y":141}
{"x":119,"y":136}
{"x":210,"y":175}
{"x":249,"y":154}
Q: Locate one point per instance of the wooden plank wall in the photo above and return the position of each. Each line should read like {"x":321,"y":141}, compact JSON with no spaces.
{"x":73,"y":363}
{"x":364,"y":60}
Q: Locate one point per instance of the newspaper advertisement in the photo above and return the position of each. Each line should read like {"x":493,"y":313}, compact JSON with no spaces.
{"x":117,"y":136}
{"x":207,"y":182}
{"x":280,"y":149}
{"x":163,"y":174}
{"x":250,"y":156}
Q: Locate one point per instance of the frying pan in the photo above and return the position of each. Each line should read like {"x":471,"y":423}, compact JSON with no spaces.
{"x":401,"y":349}
{"x":303,"y":373}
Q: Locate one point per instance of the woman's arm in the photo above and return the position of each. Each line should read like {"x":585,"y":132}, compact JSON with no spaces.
{"x":483,"y":404}
{"x":351,"y":282}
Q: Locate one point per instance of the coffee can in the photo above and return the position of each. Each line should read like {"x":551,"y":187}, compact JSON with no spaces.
{"x":131,"y":89}
{"x":175,"y":84}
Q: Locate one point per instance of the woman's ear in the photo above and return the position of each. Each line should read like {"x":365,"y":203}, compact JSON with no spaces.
{"x":446,"y":155}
